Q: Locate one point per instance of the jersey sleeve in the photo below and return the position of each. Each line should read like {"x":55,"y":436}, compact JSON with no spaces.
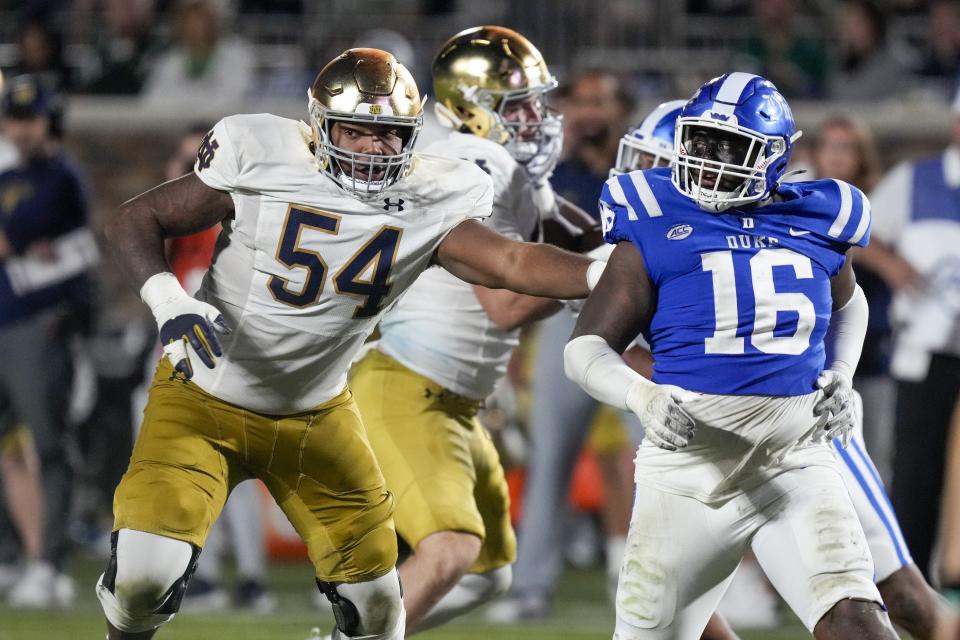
{"x":217,"y":164}
{"x":837,"y":213}
{"x":614,"y":212}
{"x":851,"y":223}
{"x":510,"y":203}
{"x":476,"y":199}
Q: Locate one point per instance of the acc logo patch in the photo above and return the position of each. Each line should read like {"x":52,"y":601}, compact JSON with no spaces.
{"x":679,"y":232}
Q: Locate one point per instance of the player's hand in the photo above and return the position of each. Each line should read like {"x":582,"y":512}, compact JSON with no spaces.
{"x":836,"y":407}
{"x":184,"y":320}
{"x":658,"y":406}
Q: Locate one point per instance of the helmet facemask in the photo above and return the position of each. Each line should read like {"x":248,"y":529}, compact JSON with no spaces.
{"x":721,"y":165}
{"x":534,"y":131}
{"x":534,"y":142}
{"x":363,"y":175}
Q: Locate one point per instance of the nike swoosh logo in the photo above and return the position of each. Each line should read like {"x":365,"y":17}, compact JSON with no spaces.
{"x":795,"y":233}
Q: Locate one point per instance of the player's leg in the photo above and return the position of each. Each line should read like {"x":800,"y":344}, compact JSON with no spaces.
{"x":949,"y":555}
{"x":854,"y":618}
{"x":490,"y":574}
{"x":813,"y":549}
{"x":471,"y":591}
{"x":144,"y":583}
{"x":38,"y":390}
{"x":911,"y":603}
{"x":322,"y":472}
{"x":679,"y":559}
{"x":437,"y":564}
{"x":433,"y":453}
{"x":21,"y":480}
{"x":183,"y":465}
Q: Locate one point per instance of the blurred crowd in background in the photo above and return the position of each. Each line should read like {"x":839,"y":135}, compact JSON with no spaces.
{"x":872,"y":83}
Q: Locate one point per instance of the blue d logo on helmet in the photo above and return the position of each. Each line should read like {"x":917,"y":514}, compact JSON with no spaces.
{"x":733,"y":141}
{"x":649,"y":144}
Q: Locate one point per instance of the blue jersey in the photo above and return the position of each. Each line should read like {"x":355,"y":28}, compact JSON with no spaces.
{"x":743,"y":297}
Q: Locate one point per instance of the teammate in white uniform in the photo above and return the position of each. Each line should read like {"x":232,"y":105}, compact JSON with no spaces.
{"x":323,"y":228}
{"x":446,"y":343}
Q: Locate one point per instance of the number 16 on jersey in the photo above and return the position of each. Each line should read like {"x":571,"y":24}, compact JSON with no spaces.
{"x":728,"y":337}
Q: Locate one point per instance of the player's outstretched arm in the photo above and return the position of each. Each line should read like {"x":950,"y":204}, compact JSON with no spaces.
{"x":176,"y":208}
{"x":479,"y":255}
{"x":620,"y":306}
{"x":509,"y":310}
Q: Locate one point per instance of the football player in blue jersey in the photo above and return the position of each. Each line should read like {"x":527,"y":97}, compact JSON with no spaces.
{"x":650,"y":144}
{"x":737,"y":281}
{"x":912,"y":603}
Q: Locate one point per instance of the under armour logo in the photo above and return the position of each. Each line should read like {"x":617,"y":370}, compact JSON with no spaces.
{"x":208,"y":148}
{"x":387,"y":204}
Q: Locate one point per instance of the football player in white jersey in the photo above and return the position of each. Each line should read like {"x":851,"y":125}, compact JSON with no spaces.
{"x":446,"y":343}
{"x":324,"y":226}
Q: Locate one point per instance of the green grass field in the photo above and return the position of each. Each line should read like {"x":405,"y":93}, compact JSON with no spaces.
{"x":582,"y":612}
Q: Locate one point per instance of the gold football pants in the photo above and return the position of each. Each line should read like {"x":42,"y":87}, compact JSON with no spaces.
{"x":318,"y":465}
{"x":438,"y":460}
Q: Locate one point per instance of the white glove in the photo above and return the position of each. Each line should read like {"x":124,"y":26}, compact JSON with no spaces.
{"x":182,"y":320}
{"x":664,"y":422}
{"x":836,"y":408}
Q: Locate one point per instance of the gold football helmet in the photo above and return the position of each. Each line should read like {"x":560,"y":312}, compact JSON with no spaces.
{"x":366,"y":87}
{"x":479,"y":75}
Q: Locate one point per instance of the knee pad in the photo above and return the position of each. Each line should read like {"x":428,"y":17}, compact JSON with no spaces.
{"x":145,"y":579}
{"x":371,"y":610}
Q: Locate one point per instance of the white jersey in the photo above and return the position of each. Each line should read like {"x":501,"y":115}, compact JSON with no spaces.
{"x":439,"y":329}
{"x":303,"y":271}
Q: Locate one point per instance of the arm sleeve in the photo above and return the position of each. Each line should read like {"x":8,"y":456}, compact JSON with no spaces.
{"x":218,"y":163}
{"x":845,"y":335}
{"x":891,"y":203}
{"x":600,"y":371}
